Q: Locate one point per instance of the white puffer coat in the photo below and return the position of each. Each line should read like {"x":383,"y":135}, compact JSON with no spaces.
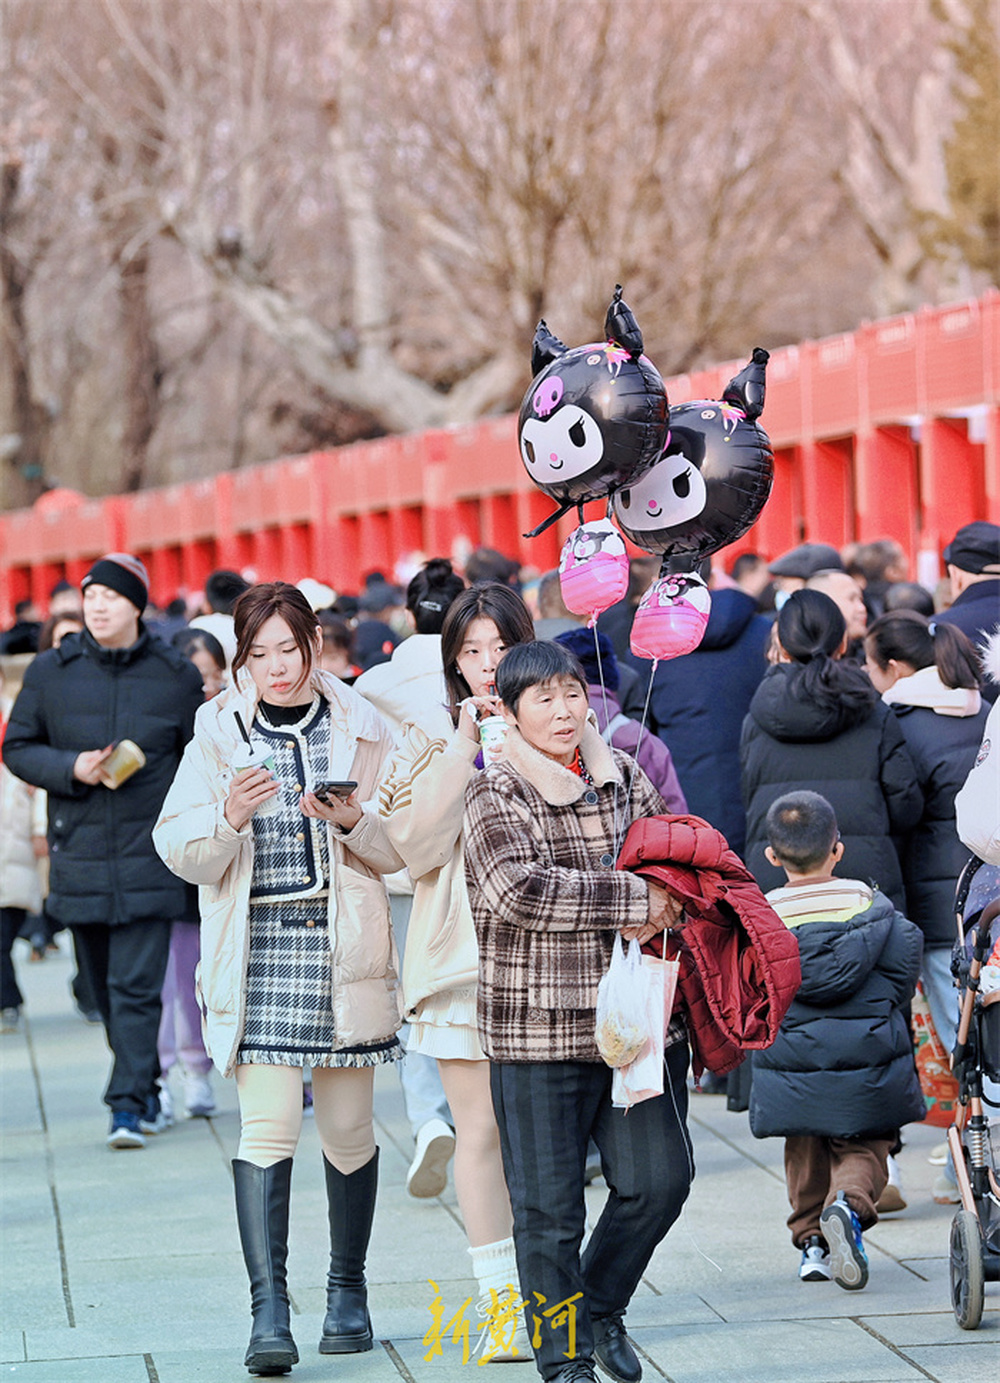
{"x":195,"y":840}
{"x":22,"y":815}
{"x":977,"y":805}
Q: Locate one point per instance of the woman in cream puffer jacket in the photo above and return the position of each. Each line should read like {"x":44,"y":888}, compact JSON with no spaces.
{"x":195,"y":840}
{"x":298,"y":966}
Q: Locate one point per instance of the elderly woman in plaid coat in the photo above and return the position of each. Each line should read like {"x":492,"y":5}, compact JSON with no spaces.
{"x":543,"y":827}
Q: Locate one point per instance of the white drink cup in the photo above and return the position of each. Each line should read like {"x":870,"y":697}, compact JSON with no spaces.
{"x":492,"y":733}
{"x":251,"y":756}
{"x":125,"y":759}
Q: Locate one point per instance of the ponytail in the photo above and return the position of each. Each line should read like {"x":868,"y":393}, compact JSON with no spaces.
{"x":811,"y":630}
{"x":907,"y":637}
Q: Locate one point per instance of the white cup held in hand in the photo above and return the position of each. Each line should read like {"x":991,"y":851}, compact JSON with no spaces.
{"x":492,"y":733}
{"x":257,"y":756}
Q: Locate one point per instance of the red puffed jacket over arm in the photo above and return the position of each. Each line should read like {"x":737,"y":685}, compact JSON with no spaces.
{"x":739,"y":962}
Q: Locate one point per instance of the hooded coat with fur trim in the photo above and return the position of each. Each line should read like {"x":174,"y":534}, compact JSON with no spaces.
{"x":977,"y":806}
{"x":547,"y":902}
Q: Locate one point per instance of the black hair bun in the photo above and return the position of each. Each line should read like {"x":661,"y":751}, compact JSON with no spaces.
{"x":438,"y":571}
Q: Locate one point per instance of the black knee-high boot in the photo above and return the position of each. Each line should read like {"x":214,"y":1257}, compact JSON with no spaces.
{"x":347,"y":1327}
{"x":262,"y":1196}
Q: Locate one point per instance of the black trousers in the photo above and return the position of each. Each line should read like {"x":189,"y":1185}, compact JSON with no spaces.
{"x":547,"y":1112}
{"x":11,"y":922}
{"x":124,"y":967}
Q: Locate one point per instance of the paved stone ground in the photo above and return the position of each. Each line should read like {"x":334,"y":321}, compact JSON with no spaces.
{"x":124,"y":1267}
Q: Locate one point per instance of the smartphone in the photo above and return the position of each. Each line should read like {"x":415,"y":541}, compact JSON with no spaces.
{"x":327,"y":789}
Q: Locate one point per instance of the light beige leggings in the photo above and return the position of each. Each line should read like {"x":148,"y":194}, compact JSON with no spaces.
{"x":271,"y":1113}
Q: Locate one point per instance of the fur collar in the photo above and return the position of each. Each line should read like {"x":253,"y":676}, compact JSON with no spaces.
{"x":990,"y":656}
{"x":558,"y":785}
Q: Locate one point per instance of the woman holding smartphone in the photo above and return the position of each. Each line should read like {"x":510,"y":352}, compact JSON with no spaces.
{"x":298,"y":963}
{"x":421,"y":802}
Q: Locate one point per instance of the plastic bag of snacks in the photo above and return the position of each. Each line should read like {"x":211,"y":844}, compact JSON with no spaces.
{"x":642,"y":1079}
{"x":622,"y":1001}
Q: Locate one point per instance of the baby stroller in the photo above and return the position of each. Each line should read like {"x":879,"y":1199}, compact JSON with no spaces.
{"x":974,"y":1257}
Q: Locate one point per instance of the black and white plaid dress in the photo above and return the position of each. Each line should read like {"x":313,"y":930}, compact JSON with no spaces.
{"x":289,"y":1010}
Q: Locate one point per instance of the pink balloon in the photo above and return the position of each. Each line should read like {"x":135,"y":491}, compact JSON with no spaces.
{"x":593,"y":568}
{"x":671,"y":617}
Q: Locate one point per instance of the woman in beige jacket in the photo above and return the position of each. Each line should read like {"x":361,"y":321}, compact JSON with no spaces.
{"x":421,"y":802}
{"x":298,"y":965}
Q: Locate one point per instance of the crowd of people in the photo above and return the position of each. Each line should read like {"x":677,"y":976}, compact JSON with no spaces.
{"x":295,"y":835}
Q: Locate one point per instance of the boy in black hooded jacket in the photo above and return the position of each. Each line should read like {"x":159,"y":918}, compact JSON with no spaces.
{"x":840,"y":1078}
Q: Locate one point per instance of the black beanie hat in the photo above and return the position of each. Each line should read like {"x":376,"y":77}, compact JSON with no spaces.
{"x":121,"y":572}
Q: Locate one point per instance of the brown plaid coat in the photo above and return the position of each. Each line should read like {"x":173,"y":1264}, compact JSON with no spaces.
{"x":540,"y":847}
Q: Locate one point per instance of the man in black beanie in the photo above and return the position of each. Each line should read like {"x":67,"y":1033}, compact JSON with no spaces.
{"x":113,"y":681}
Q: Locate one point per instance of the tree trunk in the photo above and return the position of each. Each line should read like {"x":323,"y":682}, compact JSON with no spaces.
{"x":24,"y":423}
{"x":142,"y":371}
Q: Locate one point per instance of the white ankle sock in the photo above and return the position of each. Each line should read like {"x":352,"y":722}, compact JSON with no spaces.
{"x":495,"y":1269}
{"x":495,"y":1266}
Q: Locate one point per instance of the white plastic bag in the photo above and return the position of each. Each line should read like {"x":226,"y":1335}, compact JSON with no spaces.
{"x":642,"y":1078}
{"x":622,"y":997}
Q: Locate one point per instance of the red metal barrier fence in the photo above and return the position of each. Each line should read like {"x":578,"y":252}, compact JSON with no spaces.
{"x":889,"y":431}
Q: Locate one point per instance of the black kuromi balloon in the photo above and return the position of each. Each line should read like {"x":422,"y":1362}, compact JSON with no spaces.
{"x":595,"y":417}
{"x":712,"y":479}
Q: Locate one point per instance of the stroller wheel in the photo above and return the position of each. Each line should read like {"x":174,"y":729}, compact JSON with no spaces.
{"x":966,"y":1267}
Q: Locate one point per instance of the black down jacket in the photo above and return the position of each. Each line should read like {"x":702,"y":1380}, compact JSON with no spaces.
{"x":864,"y":771}
{"x":842,"y":1063}
{"x":80,"y":696}
{"x":943,"y":748}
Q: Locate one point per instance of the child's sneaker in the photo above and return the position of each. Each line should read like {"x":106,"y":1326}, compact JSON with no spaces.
{"x":815,"y":1265}
{"x":842,"y":1230}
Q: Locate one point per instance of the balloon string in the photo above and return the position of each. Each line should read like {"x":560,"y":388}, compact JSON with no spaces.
{"x":617,"y":833}
{"x":638,"y":746}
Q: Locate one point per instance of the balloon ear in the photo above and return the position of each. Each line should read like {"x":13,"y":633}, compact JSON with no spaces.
{"x":544,"y":349}
{"x":746,"y":390}
{"x":621,"y":327}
